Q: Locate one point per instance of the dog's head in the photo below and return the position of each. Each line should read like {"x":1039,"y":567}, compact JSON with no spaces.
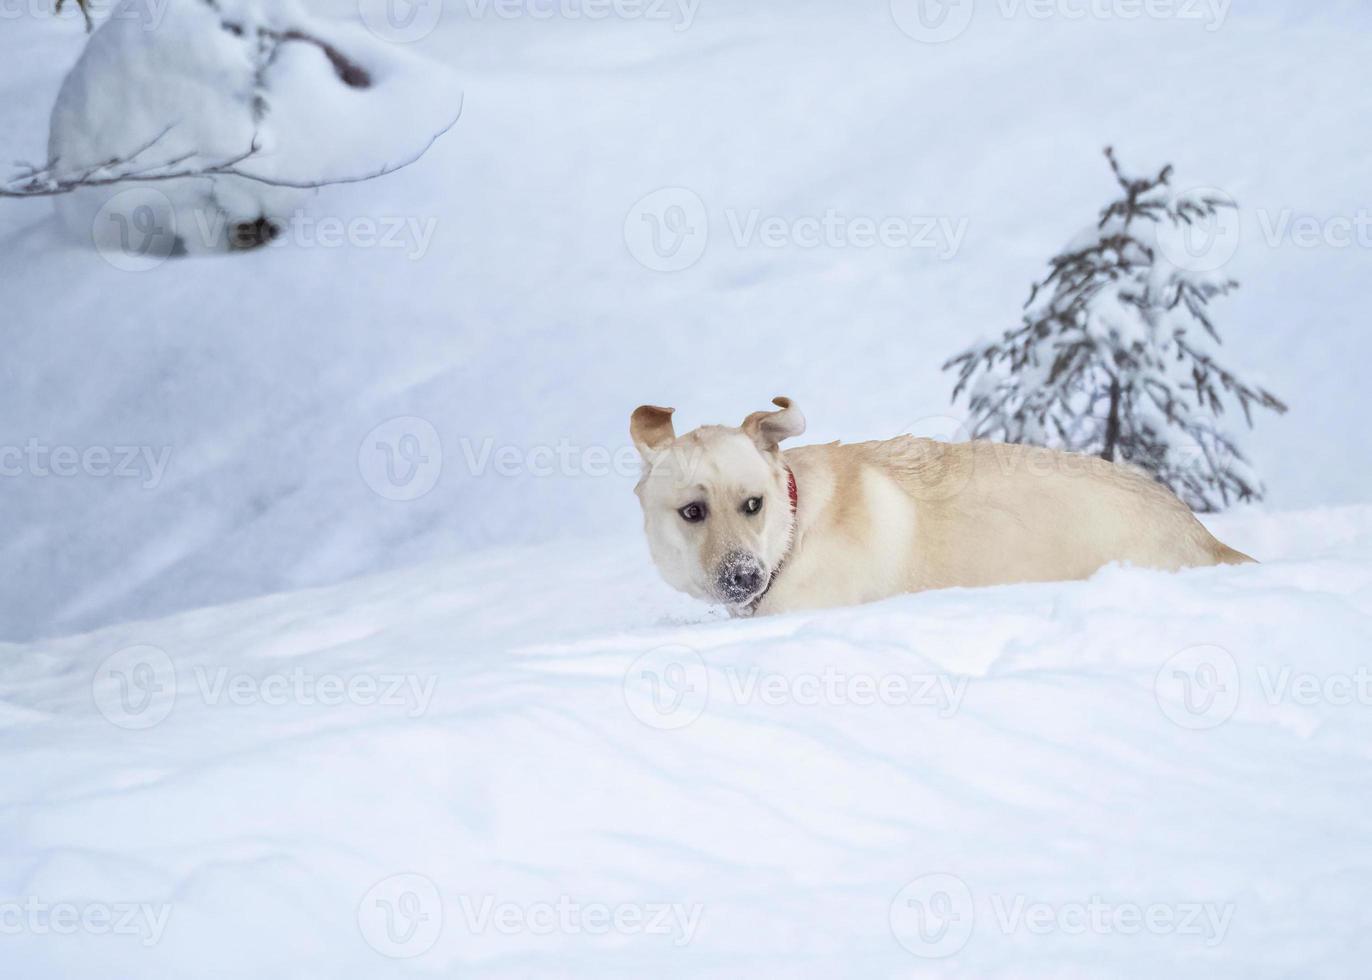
{"x":716,"y":505}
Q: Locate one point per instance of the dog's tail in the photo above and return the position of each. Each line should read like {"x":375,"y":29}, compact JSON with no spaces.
{"x":1225,"y":555}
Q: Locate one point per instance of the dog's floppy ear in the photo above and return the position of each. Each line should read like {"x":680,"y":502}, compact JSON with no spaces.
{"x":651,"y":429}
{"x":768,"y":429}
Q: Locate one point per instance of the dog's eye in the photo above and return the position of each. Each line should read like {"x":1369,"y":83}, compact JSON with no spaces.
{"x":752,"y":505}
{"x":692,"y":513}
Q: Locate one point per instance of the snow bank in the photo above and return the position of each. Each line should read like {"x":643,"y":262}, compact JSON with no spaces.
{"x":543,"y":763}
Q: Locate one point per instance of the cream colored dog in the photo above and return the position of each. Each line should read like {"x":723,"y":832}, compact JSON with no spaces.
{"x":730,"y":518}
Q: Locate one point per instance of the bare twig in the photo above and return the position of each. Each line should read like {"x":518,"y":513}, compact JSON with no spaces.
{"x":46,"y":182}
{"x":386,"y":169}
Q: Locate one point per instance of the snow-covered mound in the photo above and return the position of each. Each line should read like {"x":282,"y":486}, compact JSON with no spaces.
{"x":261,"y":88}
{"x":540,"y":762}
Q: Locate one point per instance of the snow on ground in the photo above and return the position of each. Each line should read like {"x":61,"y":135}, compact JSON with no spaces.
{"x":506,"y":312}
{"x":546,"y":764}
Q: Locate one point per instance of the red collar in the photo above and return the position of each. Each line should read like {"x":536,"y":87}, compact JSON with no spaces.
{"x":791,"y":538}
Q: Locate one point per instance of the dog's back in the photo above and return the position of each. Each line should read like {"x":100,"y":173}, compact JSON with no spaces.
{"x":984,"y":513}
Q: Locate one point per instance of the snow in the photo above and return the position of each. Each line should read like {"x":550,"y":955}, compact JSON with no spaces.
{"x":503,"y":748}
{"x":388,"y":455}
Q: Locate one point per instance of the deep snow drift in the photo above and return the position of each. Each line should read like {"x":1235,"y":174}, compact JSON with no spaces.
{"x":539,"y":763}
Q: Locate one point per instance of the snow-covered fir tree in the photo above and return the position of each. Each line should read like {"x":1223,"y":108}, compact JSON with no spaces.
{"x":1116,"y":353}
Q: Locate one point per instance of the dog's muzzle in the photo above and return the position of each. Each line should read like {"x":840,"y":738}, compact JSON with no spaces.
{"x":740,"y":578}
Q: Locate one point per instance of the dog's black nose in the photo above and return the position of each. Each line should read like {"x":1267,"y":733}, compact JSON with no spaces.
{"x":740,"y":576}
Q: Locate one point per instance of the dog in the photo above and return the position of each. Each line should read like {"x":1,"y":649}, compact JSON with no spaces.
{"x":732,"y":519}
